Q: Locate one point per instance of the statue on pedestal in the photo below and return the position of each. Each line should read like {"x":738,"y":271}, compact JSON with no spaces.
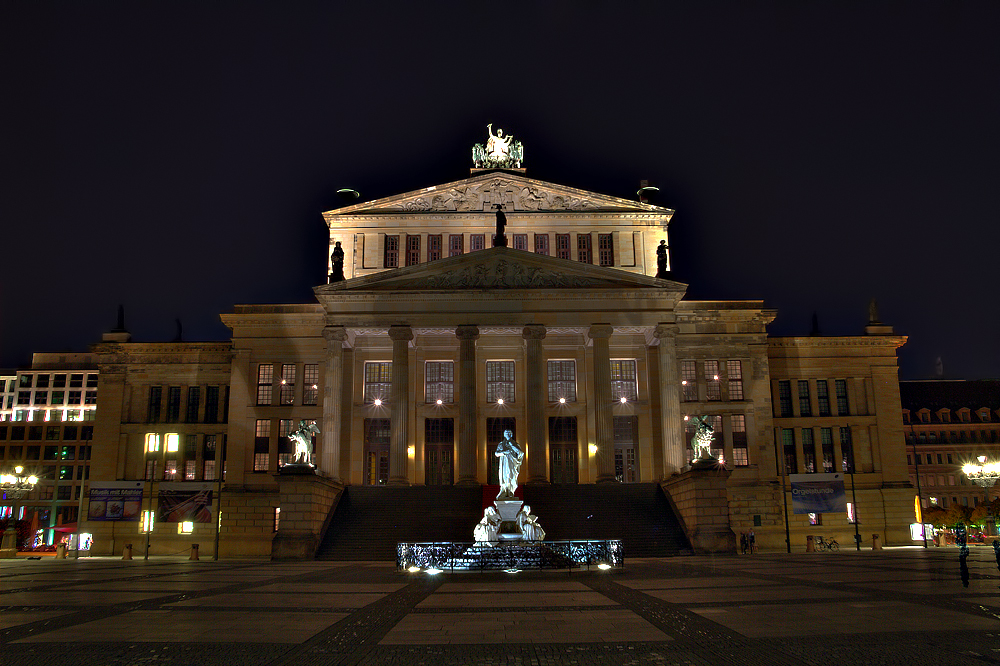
{"x":489,"y":527}
{"x":530,"y":529}
{"x":500,"y":238}
{"x":337,"y":264}
{"x":302,"y":438}
{"x":511,"y":456}
{"x":702,"y":442}
{"x":661,"y":260}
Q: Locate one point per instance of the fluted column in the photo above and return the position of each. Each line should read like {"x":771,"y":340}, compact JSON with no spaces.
{"x":601,"y":334}
{"x":467,"y":419}
{"x":672,"y":425}
{"x":399,"y":409}
{"x":535,"y":373}
{"x":333,"y":382}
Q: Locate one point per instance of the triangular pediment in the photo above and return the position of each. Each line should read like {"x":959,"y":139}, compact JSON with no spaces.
{"x":482,"y":191}
{"x":500,"y":268}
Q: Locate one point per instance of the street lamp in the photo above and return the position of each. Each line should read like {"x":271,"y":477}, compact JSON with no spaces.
{"x":15,"y":486}
{"x":983,"y":475}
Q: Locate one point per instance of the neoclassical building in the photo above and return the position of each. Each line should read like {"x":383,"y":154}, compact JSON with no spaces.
{"x":438,"y":339}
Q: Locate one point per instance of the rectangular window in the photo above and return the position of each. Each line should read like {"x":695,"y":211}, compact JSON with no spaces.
{"x":209,"y":470}
{"x":805,"y":405}
{"x":847,"y":450}
{"x":809,"y":450}
{"x":146,"y":524}
{"x":456,"y":244}
{"x":172,"y":442}
{"x":173,"y":404}
{"x":41,"y":398}
{"x":477,"y":242}
{"x":412,"y":249}
{"x":378,"y":380}
{"x":76,"y":398}
{"x":194,"y":400}
{"x":741,"y":457}
{"x":286,"y":396}
{"x":626,"y":435}
{"x":734,"y":372}
{"x":623,"y":380}
{"x":265,"y":379}
{"x":823,"y":397}
{"x":212,"y":404}
{"x":152,"y":442}
{"x":840,"y":386}
{"x":500,"y":381}
{"x":151,"y":470}
{"x":59,"y":381}
{"x":391,"y":258}
{"x":605,"y":250}
{"x":520,"y":241}
{"x":434,"y":247}
{"x":310,"y":383}
{"x":42,"y":381}
{"x":170,"y":470}
{"x":152,"y":412}
{"x":70,"y":433}
{"x":788,"y":446}
{"x":262,"y":445}
{"x":286,"y":451}
{"x":24,"y":397}
{"x":91,"y":381}
{"x":439,"y":382}
{"x":76,"y":381}
{"x":277,"y":517}
{"x":784,"y":398}
{"x":583,"y":249}
{"x":24,"y":381}
{"x":713,"y":389}
{"x":542,"y":244}
{"x":826,"y":441}
{"x":51,"y":433}
{"x":90,"y":398}
{"x":562,"y":246}
{"x":562,"y":381}
{"x":689,"y":381}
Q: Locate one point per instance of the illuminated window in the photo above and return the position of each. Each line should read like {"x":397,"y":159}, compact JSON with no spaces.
{"x":146,"y":524}
{"x":562,"y":246}
{"x":152,"y":442}
{"x":186,"y":527}
{"x":815,"y":518}
{"x":741,"y":456}
{"x":189,"y":470}
{"x":265,"y":378}
{"x":412,"y":250}
{"x":286,"y":396}
{"x":713,"y":388}
{"x":391,"y":258}
{"x":520,"y":241}
{"x":170,"y":470}
{"x":477,"y":242}
{"x":689,"y":381}
{"x":439,"y":381}
{"x":378,"y":380}
{"x":500,"y":381}
{"x":562,"y":381}
{"x":209,"y":473}
{"x":583,"y":248}
{"x":173,"y":441}
{"x":542,"y":244}
{"x":310,"y":383}
{"x":605,"y":250}
{"x":852,"y":516}
{"x":623,"y":379}
{"x":262,"y":445}
{"x":433,"y":247}
{"x":455,"y":245}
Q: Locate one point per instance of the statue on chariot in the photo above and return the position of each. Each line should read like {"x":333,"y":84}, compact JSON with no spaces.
{"x":500,"y":152}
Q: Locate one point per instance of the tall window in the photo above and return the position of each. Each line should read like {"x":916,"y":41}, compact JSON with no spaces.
{"x":823,"y":397}
{"x":847,"y":450}
{"x":378,"y":380}
{"x":520,"y":241}
{"x":262,"y":445}
{"x":152,"y":442}
{"x":194,"y":398}
{"x":605,"y":250}
{"x":455,"y":245}
{"x":433,"y":247}
{"x":623,"y":379}
{"x":626,"y":433}
{"x":542,"y":244}
{"x":689,"y":381}
{"x":741,"y":457}
{"x":784,"y":398}
{"x":212,"y":404}
{"x":173,"y":404}
{"x":562,"y":246}
{"x":500,"y":381}
{"x":734,"y":373}
{"x":477,"y":242}
{"x":713,"y":389}
{"x":265,"y":377}
{"x":285,"y":449}
{"x":583,"y":249}
{"x":826,"y":441}
{"x":391,"y":258}
{"x":788,"y":445}
{"x":439,"y":382}
{"x":286,"y":395}
{"x":155,"y":399}
{"x":412,"y":250}
{"x":310,"y":383}
{"x":840,"y":386}
{"x":805,"y":405}
{"x":809,"y":450}
{"x":562,"y":381}
{"x":208,"y":454}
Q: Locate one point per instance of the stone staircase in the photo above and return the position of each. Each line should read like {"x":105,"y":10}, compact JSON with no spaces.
{"x":369,"y":521}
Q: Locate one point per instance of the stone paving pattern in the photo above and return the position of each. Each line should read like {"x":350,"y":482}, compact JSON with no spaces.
{"x":903,"y":606}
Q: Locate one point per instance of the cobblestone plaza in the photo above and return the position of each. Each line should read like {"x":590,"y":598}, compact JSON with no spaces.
{"x":902,"y":606}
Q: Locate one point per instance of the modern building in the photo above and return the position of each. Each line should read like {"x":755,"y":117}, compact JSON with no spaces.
{"x":452,"y":324}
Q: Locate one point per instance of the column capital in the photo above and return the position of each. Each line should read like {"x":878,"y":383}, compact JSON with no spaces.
{"x":600,"y":331}
{"x":665,"y":331}
{"x":335,"y":333}
{"x":467,"y":332}
{"x":533,"y":332}
{"x":401,"y":333}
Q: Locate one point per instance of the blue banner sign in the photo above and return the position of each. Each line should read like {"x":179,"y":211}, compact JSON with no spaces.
{"x":818,"y":493}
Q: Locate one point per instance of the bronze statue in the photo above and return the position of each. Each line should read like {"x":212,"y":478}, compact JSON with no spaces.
{"x":661,"y":261}
{"x":337,"y":264}
{"x":500,"y":238}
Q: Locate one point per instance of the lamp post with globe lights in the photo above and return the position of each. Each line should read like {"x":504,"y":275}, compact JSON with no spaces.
{"x":983,"y":474}
{"x":15,"y":487}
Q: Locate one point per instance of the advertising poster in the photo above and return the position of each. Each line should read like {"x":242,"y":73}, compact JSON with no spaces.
{"x":185,"y":502}
{"x":818,"y":493}
{"x":115,"y":500}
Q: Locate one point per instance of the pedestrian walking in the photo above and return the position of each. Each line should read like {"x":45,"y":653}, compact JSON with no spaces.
{"x":743,"y":543}
{"x":752,"y":541}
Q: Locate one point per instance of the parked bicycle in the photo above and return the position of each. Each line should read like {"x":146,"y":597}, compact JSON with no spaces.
{"x":826,"y":544}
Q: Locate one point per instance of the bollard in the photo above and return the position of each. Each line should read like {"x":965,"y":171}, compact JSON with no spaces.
{"x":127,"y":555}
{"x":194,"y":552}
{"x":61,"y":551}
{"x":810,"y":544}
{"x":876,"y":542}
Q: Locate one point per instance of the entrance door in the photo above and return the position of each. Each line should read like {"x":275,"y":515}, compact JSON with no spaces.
{"x":439,"y":452}
{"x":626,"y":431}
{"x":562,"y":449}
{"x":377,"y":436}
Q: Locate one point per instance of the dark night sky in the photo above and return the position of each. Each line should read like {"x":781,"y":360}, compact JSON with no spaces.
{"x":175,"y":157}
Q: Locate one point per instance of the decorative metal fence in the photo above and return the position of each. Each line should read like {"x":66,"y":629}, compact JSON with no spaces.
{"x":510,"y":555}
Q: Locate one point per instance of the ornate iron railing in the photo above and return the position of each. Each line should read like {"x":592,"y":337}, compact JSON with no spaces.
{"x":510,"y":555}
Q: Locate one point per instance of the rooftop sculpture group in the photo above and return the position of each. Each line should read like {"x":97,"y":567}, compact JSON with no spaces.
{"x":500,"y":152}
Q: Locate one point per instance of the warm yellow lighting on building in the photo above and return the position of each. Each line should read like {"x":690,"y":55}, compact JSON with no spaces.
{"x":917,"y":510}
{"x":499,"y":401}
{"x":186,"y":527}
{"x":173,"y":442}
{"x":152,"y":442}
{"x":562,"y":401}
{"x":411,"y":451}
{"x":378,"y":402}
{"x":593,"y":449}
{"x":623,"y":400}
{"x":440,"y":401}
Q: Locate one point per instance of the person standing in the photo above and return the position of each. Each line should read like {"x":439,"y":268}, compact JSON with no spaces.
{"x":752,"y":541}
{"x":743,"y":543}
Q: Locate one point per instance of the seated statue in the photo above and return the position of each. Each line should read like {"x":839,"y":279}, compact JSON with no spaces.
{"x":488,"y":528}
{"x":530,"y":529}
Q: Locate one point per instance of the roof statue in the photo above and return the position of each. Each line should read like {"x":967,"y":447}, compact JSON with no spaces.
{"x":500,"y":152}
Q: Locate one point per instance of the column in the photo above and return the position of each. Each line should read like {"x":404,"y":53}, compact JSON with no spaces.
{"x":601,"y":334}
{"x":533,"y":335}
{"x":467,"y":419}
{"x":399,"y":409}
{"x":670,"y":401}
{"x":333,"y":382}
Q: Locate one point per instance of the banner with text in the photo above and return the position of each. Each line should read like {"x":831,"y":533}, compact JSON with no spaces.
{"x":184,"y":502}
{"x":115,"y":500}
{"x":818,"y":493}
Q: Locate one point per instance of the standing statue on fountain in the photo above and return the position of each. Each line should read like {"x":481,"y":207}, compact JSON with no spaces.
{"x":511,"y":456}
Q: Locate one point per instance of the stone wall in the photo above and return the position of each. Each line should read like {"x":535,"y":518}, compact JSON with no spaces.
{"x":307,"y":502}
{"x":701,"y":501}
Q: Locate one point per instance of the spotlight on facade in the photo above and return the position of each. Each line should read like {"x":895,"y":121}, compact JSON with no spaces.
{"x":622,"y":400}
{"x":593,"y":449}
{"x":562,"y":401}
{"x":411,"y":451}
{"x":499,"y":401}
{"x":440,"y":401}
{"x":378,"y":402}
